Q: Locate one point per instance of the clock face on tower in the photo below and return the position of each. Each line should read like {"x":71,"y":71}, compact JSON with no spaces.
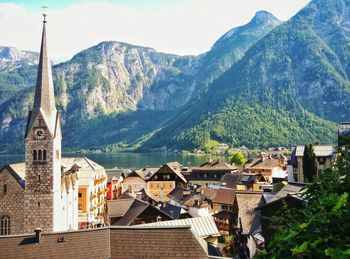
{"x":39,"y":133}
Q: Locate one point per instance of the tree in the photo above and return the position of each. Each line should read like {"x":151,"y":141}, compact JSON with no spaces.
{"x":320,"y":229}
{"x":309,"y":163}
{"x":238,"y":158}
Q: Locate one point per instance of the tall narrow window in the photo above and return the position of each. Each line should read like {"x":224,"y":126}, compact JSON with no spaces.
{"x":40,"y":155}
{"x":44,"y":155}
{"x":5,"y":225}
{"x":5,"y":188}
{"x":35,"y":155}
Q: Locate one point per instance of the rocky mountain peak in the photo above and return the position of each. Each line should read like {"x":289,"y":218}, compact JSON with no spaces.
{"x":264,"y":17}
{"x":11,"y":58}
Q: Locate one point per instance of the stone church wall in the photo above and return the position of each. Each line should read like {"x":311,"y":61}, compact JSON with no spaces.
{"x":12,"y":202}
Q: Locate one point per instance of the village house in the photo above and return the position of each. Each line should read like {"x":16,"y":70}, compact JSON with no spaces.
{"x":272,"y":167}
{"x":165,"y":179}
{"x":133,"y":211}
{"x":325,"y":155}
{"x":115,"y":178}
{"x":197,"y":205}
{"x":209,"y":173}
{"x":135,"y":181}
{"x":230,"y":180}
{"x":224,"y":199}
{"x":92,"y":192}
{"x":224,"y":208}
{"x":178,"y":195}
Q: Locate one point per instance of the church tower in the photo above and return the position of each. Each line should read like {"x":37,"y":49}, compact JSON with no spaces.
{"x":42,"y":197}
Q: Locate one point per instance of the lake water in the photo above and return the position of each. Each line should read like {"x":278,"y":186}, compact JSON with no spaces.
{"x":125,"y":160}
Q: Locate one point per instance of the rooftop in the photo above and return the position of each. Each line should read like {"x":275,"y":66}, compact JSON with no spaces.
{"x":319,"y":150}
{"x":215,"y":165}
{"x":247,"y":203}
{"x":110,"y":242}
{"x":203,"y":226}
{"x":225,"y":196}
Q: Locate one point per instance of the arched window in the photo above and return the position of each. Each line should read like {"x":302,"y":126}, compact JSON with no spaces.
{"x":35,"y":155}
{"x":40,"y":155}
{"x":5,"y":225}
{"x":44,"y":155}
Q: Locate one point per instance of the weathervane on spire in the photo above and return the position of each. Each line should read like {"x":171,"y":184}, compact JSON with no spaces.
{"x":44,"y":8}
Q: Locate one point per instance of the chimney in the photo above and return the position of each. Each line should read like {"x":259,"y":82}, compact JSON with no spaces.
{"x":139,"y":195}
{"x":38,"y":234}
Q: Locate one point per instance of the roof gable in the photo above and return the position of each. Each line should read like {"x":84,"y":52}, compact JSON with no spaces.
{"x":14,"y":174}
{"x":135,"y":210}
{"x":170,"y":168}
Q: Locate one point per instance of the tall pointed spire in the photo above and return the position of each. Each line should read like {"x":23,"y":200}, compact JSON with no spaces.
{"x":44,"y":100}
{"x":44,"y":92}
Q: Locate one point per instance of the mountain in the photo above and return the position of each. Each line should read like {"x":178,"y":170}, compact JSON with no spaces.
{"x":290,"y":87}
{"x":11,"y":58}
{"x":232,"y":46}
{"x":96,"y":85}
{"x":225,"y":52}
{"x":120,"y":93}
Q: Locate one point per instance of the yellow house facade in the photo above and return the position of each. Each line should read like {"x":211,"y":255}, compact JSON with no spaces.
{"x":164,"y":180}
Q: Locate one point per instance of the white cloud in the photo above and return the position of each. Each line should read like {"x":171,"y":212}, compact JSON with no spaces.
{"x":189,"y":27}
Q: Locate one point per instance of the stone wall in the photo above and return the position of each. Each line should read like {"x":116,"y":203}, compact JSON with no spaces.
{"x":12,"y":202}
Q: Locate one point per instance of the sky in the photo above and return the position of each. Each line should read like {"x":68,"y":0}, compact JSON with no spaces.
{"x":184,"y":27}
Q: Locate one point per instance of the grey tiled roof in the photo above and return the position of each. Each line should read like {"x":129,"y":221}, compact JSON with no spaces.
{"x":203,"y":226}
{"x":319,"y":150}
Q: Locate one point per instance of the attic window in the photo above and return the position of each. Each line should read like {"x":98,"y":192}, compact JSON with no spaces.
{"x":5,"y":188}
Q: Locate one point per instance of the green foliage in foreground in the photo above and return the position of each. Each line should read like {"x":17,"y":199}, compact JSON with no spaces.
{"x":321,"y":229}
{"x":238,"y":158}
{"x":309,"y":163}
